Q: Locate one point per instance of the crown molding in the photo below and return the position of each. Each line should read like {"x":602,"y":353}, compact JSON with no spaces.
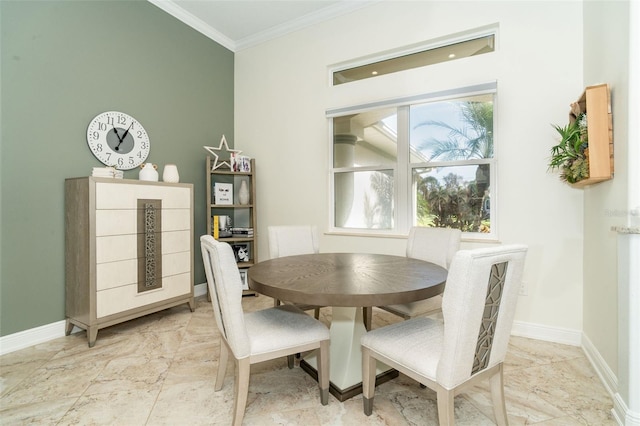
{"x":329,"y":12}
{"x":194,"y":22}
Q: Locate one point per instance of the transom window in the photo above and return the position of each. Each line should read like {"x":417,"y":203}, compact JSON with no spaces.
{"x":426,"y":162}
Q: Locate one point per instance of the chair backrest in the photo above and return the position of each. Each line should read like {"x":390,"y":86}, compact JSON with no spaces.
{"x":478,"y":306}
{"x":435,"y":245}
{"x":225,"y":289}
{"x":290,"y":240}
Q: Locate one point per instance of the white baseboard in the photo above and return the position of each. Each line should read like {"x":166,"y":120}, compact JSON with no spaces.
{"x":200,"y":289}
{"x":622,"y":414}
{"x":608,"y":378}
{"x":548,"y":334}
{"x":34,"y":336}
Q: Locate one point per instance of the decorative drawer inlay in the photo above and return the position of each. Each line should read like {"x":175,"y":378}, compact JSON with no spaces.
{"x":149,"y":244}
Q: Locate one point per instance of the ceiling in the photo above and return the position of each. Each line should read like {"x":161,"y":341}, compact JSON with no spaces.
{"x":239,"y":24}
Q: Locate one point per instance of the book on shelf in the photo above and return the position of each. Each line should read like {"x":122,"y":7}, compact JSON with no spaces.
{"x":215,"y":231}
{"x":242,"y":232}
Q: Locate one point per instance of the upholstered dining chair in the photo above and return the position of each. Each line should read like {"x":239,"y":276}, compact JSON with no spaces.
{"x":469,"y":344}
{"x":291,"y":240}
{"x":256,"y":336}
{"x":435,"y":245}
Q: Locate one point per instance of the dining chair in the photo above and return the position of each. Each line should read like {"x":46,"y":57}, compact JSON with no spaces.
{"x":435,"y":245}
{"x":254,"y":337}
{"x":467,"y":345}
{"x":291,"y":240}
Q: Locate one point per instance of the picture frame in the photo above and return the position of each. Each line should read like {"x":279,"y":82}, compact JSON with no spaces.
{"x":242,"y":252}
{"x":223,"y":193}
{"x":243,"y":279}
{"x":240,"y":163}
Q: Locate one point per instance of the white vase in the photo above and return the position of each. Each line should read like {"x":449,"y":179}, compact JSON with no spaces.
{"x":170,"y":174}
{"x":243,"y":193}
{"x":148,"y":172}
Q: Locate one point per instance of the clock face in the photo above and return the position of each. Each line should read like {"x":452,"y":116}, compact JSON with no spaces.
{"x":118,"y":140}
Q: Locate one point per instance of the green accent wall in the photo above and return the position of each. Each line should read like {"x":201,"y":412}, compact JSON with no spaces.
{"x":62,"y":63}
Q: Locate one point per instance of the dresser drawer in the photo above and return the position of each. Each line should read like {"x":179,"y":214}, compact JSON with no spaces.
{"x":119,"y":222}
{"x":114,"y":248}
{"x":126,"y":196}
{"x":120,"y":299}
{"x":125,"y":272}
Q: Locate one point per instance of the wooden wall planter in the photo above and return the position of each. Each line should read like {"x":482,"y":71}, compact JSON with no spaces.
{"x":596,"y":102}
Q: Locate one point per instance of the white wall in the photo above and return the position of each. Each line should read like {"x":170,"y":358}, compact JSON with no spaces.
{"x":282,"y":91}
{"x":606,"y":204}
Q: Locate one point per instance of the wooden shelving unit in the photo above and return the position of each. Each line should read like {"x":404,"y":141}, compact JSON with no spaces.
{"x":596,"y":102}
{"x":242,"y":215}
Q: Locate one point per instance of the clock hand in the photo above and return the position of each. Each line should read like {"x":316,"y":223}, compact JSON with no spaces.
{"x":127,"y":131}
{"x":117,"y":148}
{"x":115,"y":129}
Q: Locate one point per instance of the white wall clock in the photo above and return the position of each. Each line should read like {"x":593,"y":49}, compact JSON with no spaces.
{"x":118,"y":140}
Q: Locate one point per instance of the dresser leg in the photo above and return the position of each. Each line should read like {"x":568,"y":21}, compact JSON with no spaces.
{"x":68,"y":327}
{"x":92,"y":335}
{"x":192,"y":304}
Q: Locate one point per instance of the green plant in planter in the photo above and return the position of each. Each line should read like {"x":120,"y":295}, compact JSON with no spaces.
{"x":571,"y":154}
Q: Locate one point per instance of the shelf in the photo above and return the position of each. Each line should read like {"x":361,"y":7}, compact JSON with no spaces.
{"x":236,"y":239}
{"x":230,"y":173}
{"x":231,"y":206}
{"x":596,"y":103}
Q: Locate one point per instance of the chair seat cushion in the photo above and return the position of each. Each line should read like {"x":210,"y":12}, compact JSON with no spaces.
{"x":421,"y":307}
{"x":415,"y":344}
{"x":277,"y":328}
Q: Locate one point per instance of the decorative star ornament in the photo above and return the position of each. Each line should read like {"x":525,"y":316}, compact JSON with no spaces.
{"x":212,"y":150}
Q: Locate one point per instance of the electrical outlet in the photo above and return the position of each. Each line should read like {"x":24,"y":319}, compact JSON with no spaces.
{"x":523,"y":289}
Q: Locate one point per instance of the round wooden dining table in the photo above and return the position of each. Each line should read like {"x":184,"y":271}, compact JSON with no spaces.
{"x":347,"y":282}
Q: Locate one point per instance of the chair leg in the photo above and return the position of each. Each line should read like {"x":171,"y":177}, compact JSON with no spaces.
{"x":368,"y":380}
{"x":316,"y":313}
{"x":323,"y":371}
{"x":497,"y":395}
{"x":290,"y":362}
{"x":241,"y":390}
{"x":445,"y":407}
{"x":222,"y":366}
{"x":367,"y":315}
{"x":276,"y":302}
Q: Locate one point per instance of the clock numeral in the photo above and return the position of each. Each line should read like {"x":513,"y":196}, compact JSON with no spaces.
{"x":102,"y":126}
{"x":143,"y":144}
{"x":122,"y":120}
{"x":99,"y":147}
{"x":108,"y":156}
{"x":132,"y":160}
{"x":96,"y":135}
{"x":109,"y":121}
{"x":120,"y":161}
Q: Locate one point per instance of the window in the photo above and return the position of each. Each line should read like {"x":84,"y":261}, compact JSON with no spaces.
{"x":425,"y":161}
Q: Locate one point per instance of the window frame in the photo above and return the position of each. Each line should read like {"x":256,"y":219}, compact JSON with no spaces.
{"x":405,"y":203}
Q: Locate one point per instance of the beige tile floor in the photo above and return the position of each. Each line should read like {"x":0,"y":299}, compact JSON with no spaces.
{"x":159,"y":370}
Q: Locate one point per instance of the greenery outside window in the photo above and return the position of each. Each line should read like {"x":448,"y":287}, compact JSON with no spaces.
{"x":429,"y":162}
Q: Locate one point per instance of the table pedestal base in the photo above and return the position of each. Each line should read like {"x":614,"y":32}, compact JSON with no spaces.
{"x":345,"y":365}
{"x":344,"y":394}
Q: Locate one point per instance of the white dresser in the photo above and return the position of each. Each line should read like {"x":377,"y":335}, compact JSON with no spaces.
{"x":128,"y":250}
